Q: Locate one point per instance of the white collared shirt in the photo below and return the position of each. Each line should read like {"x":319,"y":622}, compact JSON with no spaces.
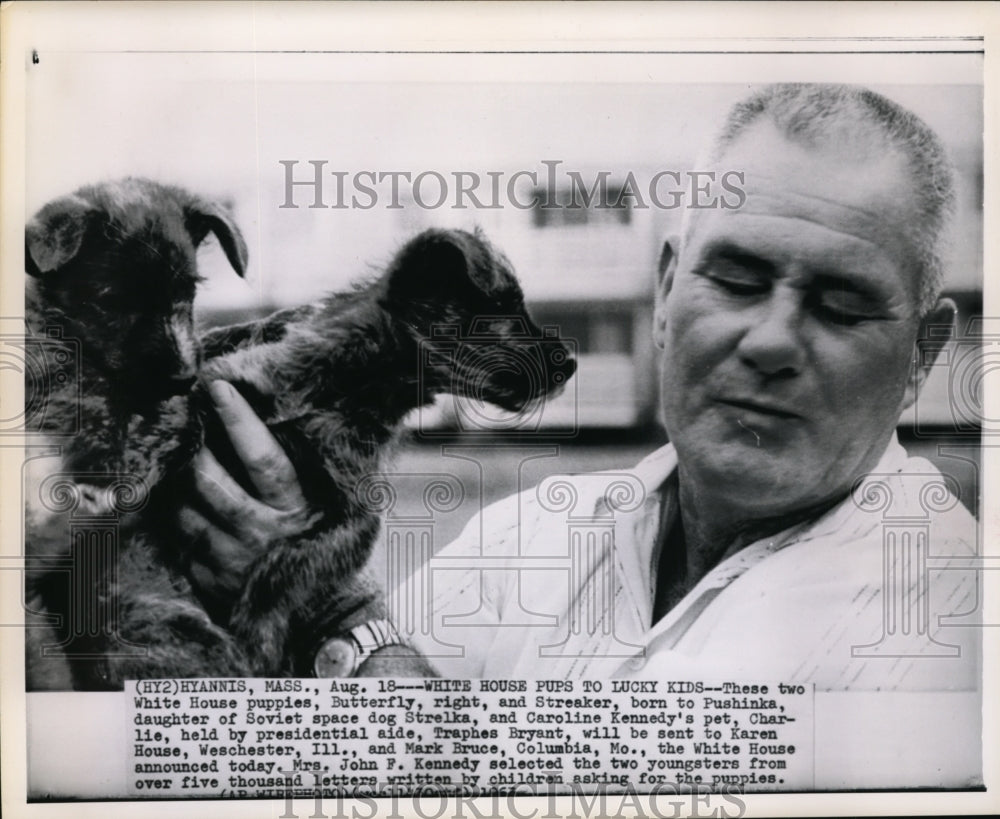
{"x":559,"y":582}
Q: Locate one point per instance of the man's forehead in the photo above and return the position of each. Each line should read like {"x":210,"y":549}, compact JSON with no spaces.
{"x":774,"y":214}
{"x":860,"y":201}
{"x":863,"y":173}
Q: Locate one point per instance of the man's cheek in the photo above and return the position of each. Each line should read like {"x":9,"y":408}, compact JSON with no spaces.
{"x":882,"y":376}
{"x":705,"y":339}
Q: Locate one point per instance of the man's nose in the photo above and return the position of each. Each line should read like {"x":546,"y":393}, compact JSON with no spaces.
{"x":773,"y":344}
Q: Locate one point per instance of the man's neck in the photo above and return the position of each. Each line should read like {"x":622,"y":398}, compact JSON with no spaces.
{"x":711,"y":534}
{"x":700,"y":536}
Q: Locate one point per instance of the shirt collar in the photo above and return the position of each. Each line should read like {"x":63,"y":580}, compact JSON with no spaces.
{"x":838,"y":519}
{"x":638,"y":528}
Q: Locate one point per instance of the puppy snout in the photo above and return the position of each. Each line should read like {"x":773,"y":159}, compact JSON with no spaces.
{"x":172,"y":357}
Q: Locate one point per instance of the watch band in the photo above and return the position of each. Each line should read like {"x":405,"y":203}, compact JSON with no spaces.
{"x":342,"y":654}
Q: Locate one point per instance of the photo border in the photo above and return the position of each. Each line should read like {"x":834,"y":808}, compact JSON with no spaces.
{"x":543,"y":27}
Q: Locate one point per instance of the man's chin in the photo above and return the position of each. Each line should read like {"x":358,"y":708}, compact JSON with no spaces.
{"x":744,"y":474}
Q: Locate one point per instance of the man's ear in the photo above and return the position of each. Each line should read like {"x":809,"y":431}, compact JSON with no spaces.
{"x":936,"y":330}
{"x":664,"y":281}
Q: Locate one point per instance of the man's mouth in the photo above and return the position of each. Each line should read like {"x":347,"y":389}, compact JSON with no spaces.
{"x":760,"y":407}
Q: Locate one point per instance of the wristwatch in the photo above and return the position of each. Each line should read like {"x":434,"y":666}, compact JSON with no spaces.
{"x":342,"y":654}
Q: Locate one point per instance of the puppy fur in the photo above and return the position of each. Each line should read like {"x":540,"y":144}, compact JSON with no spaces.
{"x":333,"y":382}
{"x":111,"y":282}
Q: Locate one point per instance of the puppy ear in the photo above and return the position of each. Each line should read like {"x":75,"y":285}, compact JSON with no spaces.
{"x":54,"y":237}
{"x":441,"y":262}
{"x":201,"y":217}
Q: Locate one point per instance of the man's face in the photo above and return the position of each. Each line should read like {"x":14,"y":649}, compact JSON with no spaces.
{"x":788,"y":327}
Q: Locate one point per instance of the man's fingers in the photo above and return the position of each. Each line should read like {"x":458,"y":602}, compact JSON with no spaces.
{"x":247,"y":518}
{"x":270,"y":471}
{"x":231,"y":527}
{"x":218,"y":489}
{"x":220,"y":560}
{"x":195,"y":525}
{"x":215,"y":547}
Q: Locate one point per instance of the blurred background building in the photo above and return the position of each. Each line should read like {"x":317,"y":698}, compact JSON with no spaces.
{"x":224,"y":124}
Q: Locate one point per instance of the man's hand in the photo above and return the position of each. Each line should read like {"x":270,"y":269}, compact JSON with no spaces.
{"x":229,"y":526}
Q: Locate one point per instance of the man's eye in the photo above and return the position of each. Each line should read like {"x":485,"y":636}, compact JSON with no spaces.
{"x":740,"y":287}
{"x":845,"y":307}
{"x":739,"y":283}
{"x":735,"y":272}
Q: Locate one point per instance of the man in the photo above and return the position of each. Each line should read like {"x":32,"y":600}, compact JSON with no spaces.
{"x":787,"y":332}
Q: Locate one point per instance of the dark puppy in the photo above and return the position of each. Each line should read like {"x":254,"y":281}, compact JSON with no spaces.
{"x":112,"y":268}
{"x":333,"y":382}
{"x":111,"y":282}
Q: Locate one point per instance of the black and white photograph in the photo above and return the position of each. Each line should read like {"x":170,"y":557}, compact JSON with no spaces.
{"x":477,"y":409}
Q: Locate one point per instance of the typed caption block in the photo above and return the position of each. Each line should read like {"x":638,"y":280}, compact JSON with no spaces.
{"x":275,"y":738}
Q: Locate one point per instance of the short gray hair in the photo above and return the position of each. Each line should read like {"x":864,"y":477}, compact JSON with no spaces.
{"x":819,"y":114}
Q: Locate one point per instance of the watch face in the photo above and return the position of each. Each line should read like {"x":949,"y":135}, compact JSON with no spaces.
{"x":335,"y":658}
